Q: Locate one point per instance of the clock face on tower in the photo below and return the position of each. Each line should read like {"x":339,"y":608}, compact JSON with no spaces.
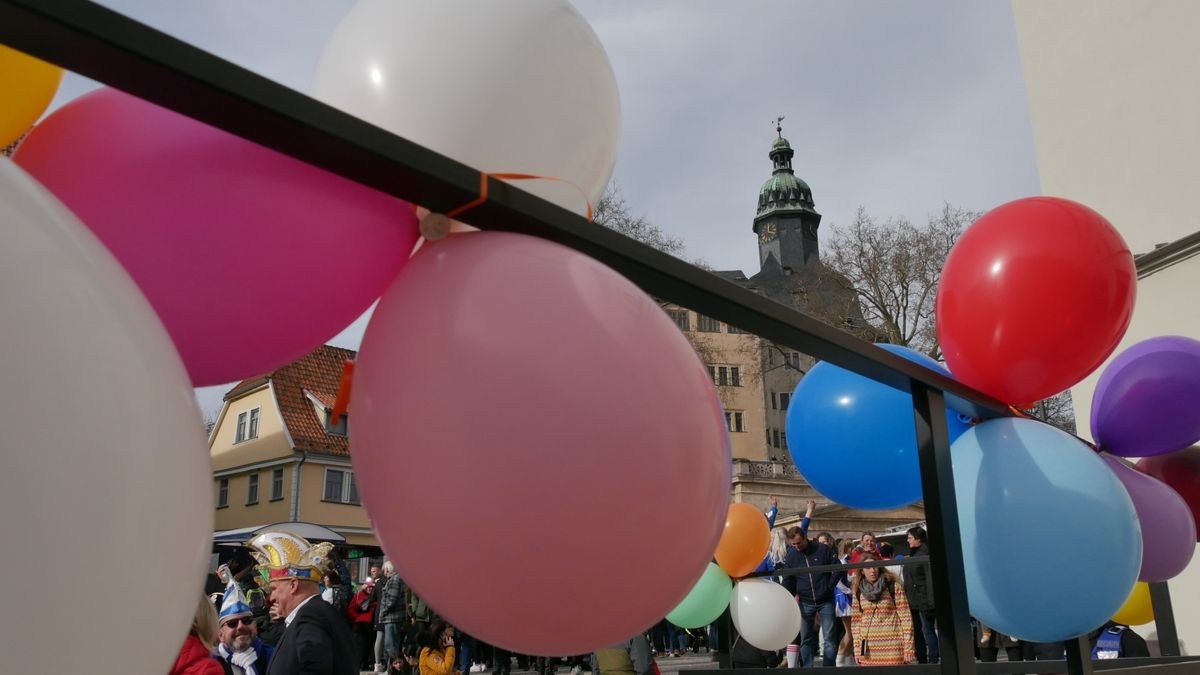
{"x":766,"y":233}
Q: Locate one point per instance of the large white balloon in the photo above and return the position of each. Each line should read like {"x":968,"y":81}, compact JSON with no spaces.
{"x":765,"y":614}
{"x":515,"y":86}
{"x":106,"y":490}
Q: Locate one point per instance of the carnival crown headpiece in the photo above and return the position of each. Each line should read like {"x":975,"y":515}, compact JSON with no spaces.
{"x":286,"y":556}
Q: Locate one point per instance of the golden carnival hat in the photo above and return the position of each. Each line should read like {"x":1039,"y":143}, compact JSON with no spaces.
{"x":284,"y":555}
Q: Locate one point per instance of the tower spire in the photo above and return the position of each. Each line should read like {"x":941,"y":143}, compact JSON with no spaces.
{"x":778,"y":122}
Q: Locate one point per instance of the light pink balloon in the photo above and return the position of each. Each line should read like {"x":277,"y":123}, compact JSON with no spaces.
{"x":542,"y":454}
{"x":250,"y":258}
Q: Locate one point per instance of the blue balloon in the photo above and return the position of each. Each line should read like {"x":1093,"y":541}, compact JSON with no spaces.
{"x":1050,"y":538}
{"x":855,"y":440}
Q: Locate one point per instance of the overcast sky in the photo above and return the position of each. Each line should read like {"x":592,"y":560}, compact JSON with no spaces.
{"x":894,"y":106}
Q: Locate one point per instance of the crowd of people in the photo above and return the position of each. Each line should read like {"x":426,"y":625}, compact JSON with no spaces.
{"x":290,"y":607}
{"x":885,"y":614}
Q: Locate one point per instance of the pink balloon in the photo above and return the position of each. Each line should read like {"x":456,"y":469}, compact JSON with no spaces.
{"x":1168,"y":530}
{"x":251,"y":258}
{"x":542,"y":454}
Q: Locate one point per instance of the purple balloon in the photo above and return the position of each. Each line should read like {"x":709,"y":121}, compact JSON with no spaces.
{"x":1146,"y":401}
{"x":1168,"y":530}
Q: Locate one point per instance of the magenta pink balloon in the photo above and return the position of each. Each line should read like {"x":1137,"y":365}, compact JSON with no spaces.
{"x":250,"y":258}
{"x":542,"y":454}
{"x":1168,"y":530}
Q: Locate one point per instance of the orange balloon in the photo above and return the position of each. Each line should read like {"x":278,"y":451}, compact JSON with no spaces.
{"x":745,"y":541}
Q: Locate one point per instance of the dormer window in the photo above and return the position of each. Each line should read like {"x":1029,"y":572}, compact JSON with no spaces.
{"x":247,"y":425}
{"x":342,"y":428}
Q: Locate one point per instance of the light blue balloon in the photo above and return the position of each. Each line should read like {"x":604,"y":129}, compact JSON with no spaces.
{"x":1050,"y":538}
{"x":855,"y":440}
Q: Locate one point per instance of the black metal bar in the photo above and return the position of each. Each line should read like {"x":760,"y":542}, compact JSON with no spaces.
{"x":1079,"y":656}
{"x":1140,"y":666}
{"x":1164,"y":619}
{"x":820,"y":569}
{"x":724,"y":644}
{"x":941,"y":513}
{"x":101,"y":44}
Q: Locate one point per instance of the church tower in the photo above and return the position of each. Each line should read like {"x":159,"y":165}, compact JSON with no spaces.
{"x":786,"y":222}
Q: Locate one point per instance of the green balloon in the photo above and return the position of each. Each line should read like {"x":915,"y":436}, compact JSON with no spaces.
{"x":705,"y":602}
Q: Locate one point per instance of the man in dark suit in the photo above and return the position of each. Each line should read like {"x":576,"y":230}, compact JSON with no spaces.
{"x":317,"y":640}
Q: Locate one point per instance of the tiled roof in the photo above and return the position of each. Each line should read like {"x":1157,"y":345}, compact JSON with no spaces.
{"x":318,"y":373}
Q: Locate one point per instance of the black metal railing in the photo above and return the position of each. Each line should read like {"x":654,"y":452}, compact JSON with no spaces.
{"x":106,"y":46}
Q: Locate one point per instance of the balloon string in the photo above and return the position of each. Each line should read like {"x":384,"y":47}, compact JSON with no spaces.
{"x":483,"y":191}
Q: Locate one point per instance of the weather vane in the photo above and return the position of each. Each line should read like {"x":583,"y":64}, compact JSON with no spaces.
{"x":778,"y":125}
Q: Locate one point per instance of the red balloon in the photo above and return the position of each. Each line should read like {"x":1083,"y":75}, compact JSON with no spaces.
{"x":1033,"y":297}
{"x":1180,"y":470}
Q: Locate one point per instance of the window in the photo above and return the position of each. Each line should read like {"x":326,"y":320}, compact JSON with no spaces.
{"x":775,"y":437}
{"x":340,"y":487}
{"x":680,"y":317}
{"x":277,"y":484}
{"x":796,"y":360}
{"x":725,"y":376}
{"x":342,"y":428}
{"x":734,"y":421}
{"x":222,"y":493}
{"x":773,"y":402}
{"x":707,"y":324}
{"x":247,"y":425}
{"x":734,"y":330}
{"x":784,"y":400}
{"x":768,"y":438}
{"x":783,"y":440}
{"x":252,"y":490}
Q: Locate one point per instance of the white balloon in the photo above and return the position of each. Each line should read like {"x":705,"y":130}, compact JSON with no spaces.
{"x":519,"y":86}
{"x":764,"y":613}
{"x":107,"y":487}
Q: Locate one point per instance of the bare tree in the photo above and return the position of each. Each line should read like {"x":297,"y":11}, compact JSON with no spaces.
{"x":614,"y":213}
{"x":894,"y":267}
{"x":1058,"y":410}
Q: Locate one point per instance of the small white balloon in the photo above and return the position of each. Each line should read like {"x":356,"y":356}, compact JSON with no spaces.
{"x":765,"y":614}
{"x":107,"y":479}
{"x":520,"y":86}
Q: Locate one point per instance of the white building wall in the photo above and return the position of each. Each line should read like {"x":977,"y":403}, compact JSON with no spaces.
{"x":1114,"y":101}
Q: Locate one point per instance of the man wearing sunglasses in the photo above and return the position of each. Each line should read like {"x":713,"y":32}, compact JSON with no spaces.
{"x":237,"y":636}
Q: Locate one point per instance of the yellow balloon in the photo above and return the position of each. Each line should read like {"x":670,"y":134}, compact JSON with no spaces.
{"x":1137,"y":609}
{"x":26,"y":87}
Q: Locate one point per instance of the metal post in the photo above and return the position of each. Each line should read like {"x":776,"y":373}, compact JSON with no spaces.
{"x":941,"y":513}
{"x":1079,"y":656}
{"x":1164,"y":619}
{"x":724,"y":644}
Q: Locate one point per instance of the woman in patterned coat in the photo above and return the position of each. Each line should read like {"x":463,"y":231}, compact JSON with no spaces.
{"x":880,"y":619}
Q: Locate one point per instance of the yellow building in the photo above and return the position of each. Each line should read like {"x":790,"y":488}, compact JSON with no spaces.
{"x":274,"y":460}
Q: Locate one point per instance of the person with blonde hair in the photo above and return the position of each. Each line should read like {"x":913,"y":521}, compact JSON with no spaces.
{"x":880,"y":621}
{"x":841,"y":607}
{"x":195,"y":657}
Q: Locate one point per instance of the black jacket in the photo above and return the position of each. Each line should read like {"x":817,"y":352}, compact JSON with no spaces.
{"x":918,"y":585}
{"x":318,"y":642}
{"x":810,"y":587}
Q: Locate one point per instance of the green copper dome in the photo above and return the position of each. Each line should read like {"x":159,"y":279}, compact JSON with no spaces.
{"x":783,"y":191}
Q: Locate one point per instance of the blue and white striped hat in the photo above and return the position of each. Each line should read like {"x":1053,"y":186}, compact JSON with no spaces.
{"x":234,"y":603}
